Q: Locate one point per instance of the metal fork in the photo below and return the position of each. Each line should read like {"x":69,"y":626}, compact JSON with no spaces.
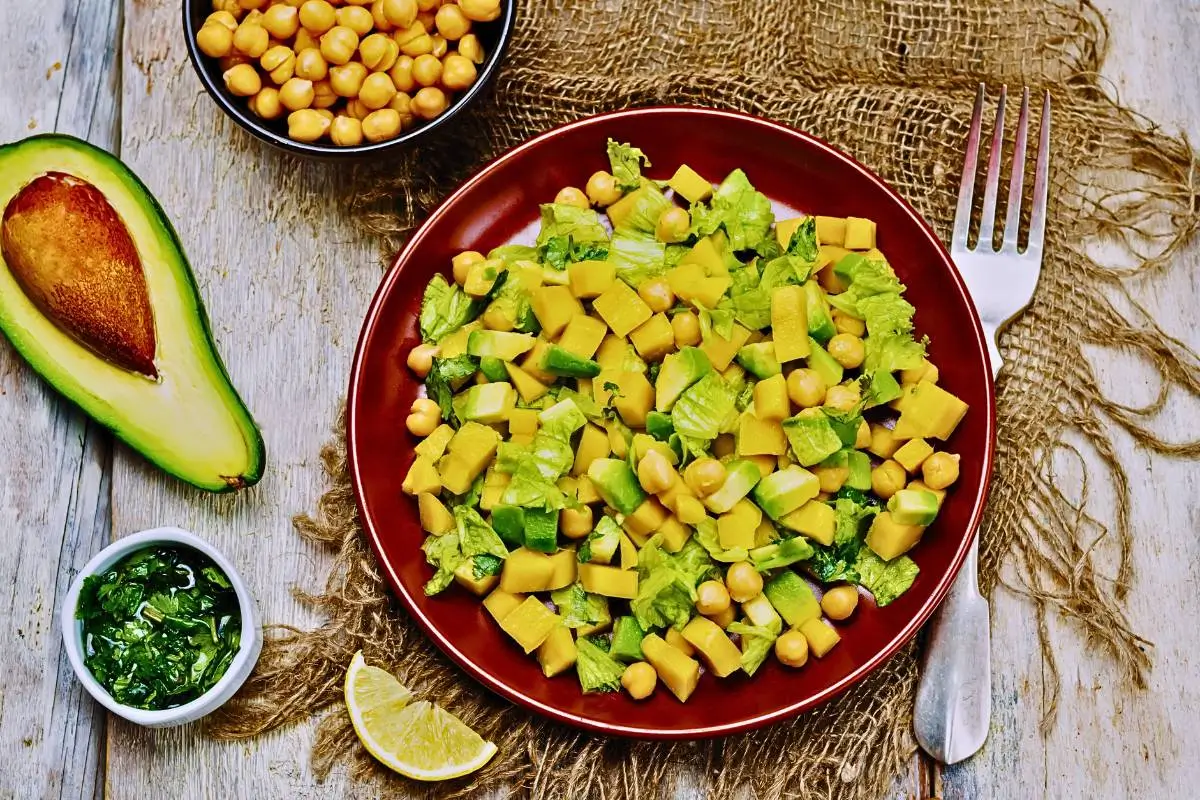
{"x":954,"y":700}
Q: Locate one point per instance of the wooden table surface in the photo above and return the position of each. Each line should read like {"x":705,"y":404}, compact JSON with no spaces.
{"x":287,"y":278}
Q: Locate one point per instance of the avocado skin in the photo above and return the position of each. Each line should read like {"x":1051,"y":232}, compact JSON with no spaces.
{"x":116,"y":400}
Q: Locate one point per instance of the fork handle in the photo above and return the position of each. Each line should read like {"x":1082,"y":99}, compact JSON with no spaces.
{"x":991,"y":335}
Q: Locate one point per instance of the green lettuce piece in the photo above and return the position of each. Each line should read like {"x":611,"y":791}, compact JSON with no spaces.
{"x":649,"y":203}
{"x":886,"y":312}
{"x":636,"y":256}
{"x":890,"y":352}
{"x":887,"y":580}
{"x":845,"y":424}
{"x":736,"y":206}
{"x":445,"y":309}
{"x":757,"y":642}
{"x":559,"y":251}
{"x":485,"y":565}
{"x":836,"y":562}
{"x":803,"y":244}
{"x":512,"y":253}
{"x":512,"y":300}
{"x":561,"y":420}
{"x":597,"y":670}
{"x":581,"y":224}
{"x":812,"y":438}
{"x":717,"y":321}
{"x":439,"y":383}
{"x":626,"y":164}
{"x":533,"y":491}
{"x":584,"y":402}
{"x":707,"y":536}
{"x":703,"y":407}
{"x":667,"y":583}
{"x":475,"y":536}
{"x":444,"y":554}
{"x":578,"y":607}
{"x":867,"y":277}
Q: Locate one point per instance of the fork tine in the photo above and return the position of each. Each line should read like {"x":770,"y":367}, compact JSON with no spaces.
{"x":987,"y":219}
{"x":1012,"y":224}
{"x":1041,"y":183}
{"x":962,"y":217}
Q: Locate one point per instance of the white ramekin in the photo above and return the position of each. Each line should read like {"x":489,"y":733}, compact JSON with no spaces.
{"x":239,"y":668}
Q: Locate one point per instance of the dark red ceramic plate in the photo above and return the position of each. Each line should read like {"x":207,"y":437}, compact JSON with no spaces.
{"x":488,"y":211}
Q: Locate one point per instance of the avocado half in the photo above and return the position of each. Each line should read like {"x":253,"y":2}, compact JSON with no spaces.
{"x":97,"y":295}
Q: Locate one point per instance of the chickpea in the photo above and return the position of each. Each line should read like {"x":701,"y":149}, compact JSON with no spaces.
{"x":724,"y":445}
{"x":297,"y":94}
{"x":657,"y":294}
{"x":232,"y":60}
{"x":654,"y":472}
{"x":400,"y":13}
{"x":462,"y":264}
{"x":429,"y":102}
{"x":568,"y":195}
{"x":347,"y":79}
{"x":428,"y":5}
{"x":744,"y":581}
{"x":469,"y":47}
{"x":940,"y":470}
{"x":356,"y":18}
{"x":243,"y":80}
{"x":279,"y":62}
{"x":327,"y":114}
{"x":378,"y":52}
{"x":480,"y":10}
{"x":805,"y":388}
{"x":831,"y":478}
{"x":214,"y":40}
{"x":575,"y":523}
{"x":339,"y":45}
{"x":423,"y":405}
{"x":381,"y":125}
{"x":311,"y":65}
{"x":689,"y":510}
{"x":251,"y":39}
{"x":414,"y":40}
{"x":381,"y":23}
{"x":712,"y":598}
{"x":346,"y":131}
{"x":673,"y":225}
{"x":266,"y":105}
{"x":317,"y":16}
{"x":451,"y":22}
{"x":440,"y":45}
{"x":792,"y":649}
{"x":377,"y":91}
{"x":428,"y":19}
{"x":306,"y":125}
{"x":686,"y":327}
{"x":639,"y":679}
{"x":844,"y":323}
{"x":704,"y":476}
{"x":251,"y":5}
{"x":847,"y":349}
{"x":862,"y":437}
{"x":888,"y":478}
{"x":222,"y":18}
{"x":602,"y":189}
{"x":282,"y":22}
{"x":323,"y":94}
{"x":839,"y":602}
{"x":401,"y":74}
{"x":425,"y":417}
{"x":356,"y":109}
{"x":305,"y":40}
{"x":426,"y":70}
{"x":458,"y":73}
{"x":725,"y":618}
{"x":844,"y":396}
{"x":420,"y":358}
{"x":230,"y":7}
{"x":676,"y":640}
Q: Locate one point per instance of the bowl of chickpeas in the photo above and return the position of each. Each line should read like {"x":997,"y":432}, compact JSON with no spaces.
{"x":331,"y":78}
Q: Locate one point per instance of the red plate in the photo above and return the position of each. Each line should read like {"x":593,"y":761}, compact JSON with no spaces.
{"x":487,"y":211}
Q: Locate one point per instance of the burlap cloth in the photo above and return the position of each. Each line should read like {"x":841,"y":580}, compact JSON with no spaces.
{"x":891,"y":83}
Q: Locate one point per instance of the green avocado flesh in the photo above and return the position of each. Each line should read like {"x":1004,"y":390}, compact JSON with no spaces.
{"x":167,"y":394}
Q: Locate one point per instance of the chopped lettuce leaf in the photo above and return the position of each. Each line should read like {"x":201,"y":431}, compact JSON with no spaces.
{"x":812,"y":438}
{"x":703,"y":407}
{"x":837,"y":562}
{"x":845,"y":424}
{"x":887,"y":580}
{"x":512,"y":253}
{"x":886,"y":312}
{"x":559,"y":251}
{"x":706,"y":535}
{"x":891,"y":352}
{"x":529,"y":489}
{"x":562,"y":419}
{"x":444,"y":554}
{"x":475,"y":536}
{"x":717,"y":321}
{"x":667,"y":586}
{"x":439,"y":383}
{"x":636,"y":256}
{"x":867,"y":277}
{"x":580,"y":224}
{"x":626,"y":163}
{"x":736,"y":206}
{"x":649,"y":203}
{"x":445,"y":309}
{"x":483,"y":566}
{"x":584,"y":402}
{"x":597,"y":670}
{"x":578,"y":607}
{"x":803,"y":244}
{"x":757,"y":642}
{"x":511,"y":299}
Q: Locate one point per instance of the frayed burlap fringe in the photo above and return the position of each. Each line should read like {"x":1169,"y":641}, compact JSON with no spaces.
{"x":891,"y":83}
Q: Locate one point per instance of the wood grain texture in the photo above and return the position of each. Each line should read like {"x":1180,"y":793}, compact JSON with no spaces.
{"x":54,"y":492}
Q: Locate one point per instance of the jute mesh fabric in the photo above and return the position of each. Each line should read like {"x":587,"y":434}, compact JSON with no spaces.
{"x":893,"y":84}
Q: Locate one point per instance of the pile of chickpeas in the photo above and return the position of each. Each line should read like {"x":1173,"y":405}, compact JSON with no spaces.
{"x":347,"y":71}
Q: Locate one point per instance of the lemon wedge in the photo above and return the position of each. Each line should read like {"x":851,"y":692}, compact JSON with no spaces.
{"x":419,"y":740}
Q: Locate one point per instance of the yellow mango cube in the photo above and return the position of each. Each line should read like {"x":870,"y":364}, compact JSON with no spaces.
{"x":789,"y":323}
{"x":889,"y":539}
{"x":554,"y":306}
{"x":557,"y":654}
{"x":593,"y":444}
{"x":464,"y":576}
{"x":634,"y":396}
{"x":718,"y":651}
{"x":785,"y":229}
{"x":675,"y":534}
{"x":831,"y":230}
{"x":913,"y":454}
{"x":859,"y":234}
{"x":532,"y":363}
{"x":500,"y":603}
{"x":525,"y":571}
{"x":690,"y":185}
{"x":646,"y":518}
{"x":455,"y":344}
{"x":523,"y":421}
{"x":682,"y":279}
{"x":434,"y":445}
{"x":583,"y":335}
{"x":629,"y":552}
{"x":422,"y":478}
{"x":530,"y":623}
{"x":820,"y":635}
{"x":883,"y":444}
{"x":814,"y":519}
{"x":529,"y":387}
{"x":654,"y":338}
{"x":709,"y":291}
{"x":435,"y":517}
{"x":771,"y":399}
{"x":612,"y":352}
{"x":736,"y":527}
{"x":589,"y":279}
{"x":679,"y":673}
{"x":585,"y":491}
{"x":609,"y":581}
{"x":621,"y":308}
{"x":721,"y":351}
{"x":929,"y":411}
{"x":565,"y":571}
{"x":707,"y":255}
{"x":757,"y":437}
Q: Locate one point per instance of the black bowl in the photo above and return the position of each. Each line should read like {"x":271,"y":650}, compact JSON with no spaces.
{"x":494,"y":37}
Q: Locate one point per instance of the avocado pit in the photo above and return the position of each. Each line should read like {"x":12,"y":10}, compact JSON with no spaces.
{"x":74,"y":258}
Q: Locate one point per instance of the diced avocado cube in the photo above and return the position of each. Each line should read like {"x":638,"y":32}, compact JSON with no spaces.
{"x":859,"y":465}
{"x":848,"y":264}
{"x":820,"y":635}
{"x":690,"y":185}
{"x":566,"y":364}
{"x":526,"y":571}
{"x":860,"y":234}
{"x":793,"y":598}
{"x":679,"y":371}
{"x":740,"y":477}
{"x":489,"y":402}
{"x":509,"y":524}
{"x":831,"y":230}
{"x":888,"y":538}
{"x":930,"y":411}
{"x":493,"y":369}
{"x":589,"y":279}
{"x":759,"y":359}
{"x":617,"y":484}
{"x":659,"y":425}
{"x":621,"y":308}
{"x":781,"y":554}
{"x":786,"y":490}
{"x":609,"y":581}
{"x":883,"y":389}
{"x":654,"y":338}
{"x":530,"y":623}
{"x":820,"y":323}
{"x":541,"y":529}
{"x":627,"y":640}
{"x":583,"y":336}
{"x":789,"y":323}
{"x":720,"y":351}
{"x":912,"y":454}
{"x":913,"y":507}
{"x":557,"y":654}
{"x":811,"y":437}
{"x":422,"y":478}
{"x":554,"y":306}
{"x":499,"y":344}
{"x":760,"y":612}
{"x":758,"y":437}
{"x":593,"y":444}
{"x":715,"y":647}
{"x":820,"y":362}
{"x":814,"y":519}
{"x":603,"y":542}
{"x":678,"y":672}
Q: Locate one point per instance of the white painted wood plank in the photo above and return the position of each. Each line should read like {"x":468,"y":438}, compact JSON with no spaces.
{"x":54,"y":496}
